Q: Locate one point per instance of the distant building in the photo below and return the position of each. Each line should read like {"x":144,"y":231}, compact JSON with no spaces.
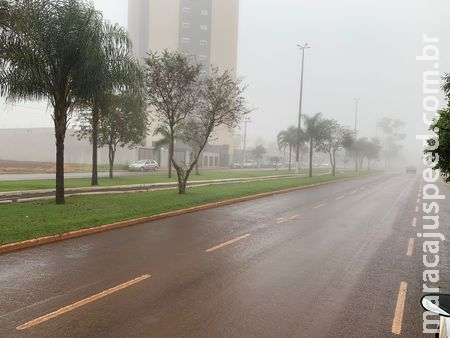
{"x":204,"y":29}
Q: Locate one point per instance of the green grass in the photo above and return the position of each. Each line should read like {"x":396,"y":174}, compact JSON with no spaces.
{"x":20,"y":222}
{"x":140,"y":179}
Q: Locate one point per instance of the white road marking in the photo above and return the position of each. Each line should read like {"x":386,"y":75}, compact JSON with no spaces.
{"x":414,"y":222}
{"x":409,"y":252}
{"x":339,"y":198}
{"x":353,"y":192}
{"x":399,"y":309}
{"x":320,"y":206}
{"x":418,"y":200}
{"x":282,"y":221}
{"x":80,"y":303}
{"x":220,"y":246}
{"x":417,"y":208}
{"x":293,"y":217}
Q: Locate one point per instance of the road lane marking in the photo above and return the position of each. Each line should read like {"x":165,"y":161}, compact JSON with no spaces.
{"x":399,"y":309}
{"x":80,"y":303}
{"x":418,"y":200}
{"x":353,"y":192}
{"x":339,"y":198}
{"x":320,"y":206}
{"x":418,"y":195}
{"x":220,"y":246}
{"x":410,"y":247}
{"x":416,"y":209}
{"x":293,"y":217}
{"x":282,"y":221}
{"x":414,"y":222}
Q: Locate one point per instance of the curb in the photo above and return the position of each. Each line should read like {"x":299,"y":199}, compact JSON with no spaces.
{"x":142,"y":185}
{"x":122,"y":224}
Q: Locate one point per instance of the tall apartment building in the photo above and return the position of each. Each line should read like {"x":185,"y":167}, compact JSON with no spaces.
{"x":204,"y":29}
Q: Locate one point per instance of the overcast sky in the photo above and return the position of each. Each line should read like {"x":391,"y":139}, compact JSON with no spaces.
{"x":364,"y":49}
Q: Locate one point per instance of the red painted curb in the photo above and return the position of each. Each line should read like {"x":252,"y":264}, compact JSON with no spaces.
{"x":84,"y":232}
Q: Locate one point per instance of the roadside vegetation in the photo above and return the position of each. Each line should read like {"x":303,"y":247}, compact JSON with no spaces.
{"x":37,"y":219}
{"x":437,"y":149}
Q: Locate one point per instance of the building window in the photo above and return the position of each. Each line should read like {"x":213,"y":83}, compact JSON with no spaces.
{"x":203,"y":27}
{"x":202,"y":57}
{"x":186,"y":25}
{"x":203,"y":43}
{"x":204,"y":12}
{"x":186,"y":10}
{"x":185,"y":40}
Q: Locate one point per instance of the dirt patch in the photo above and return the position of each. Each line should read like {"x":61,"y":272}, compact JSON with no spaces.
{"x":31,"y":167}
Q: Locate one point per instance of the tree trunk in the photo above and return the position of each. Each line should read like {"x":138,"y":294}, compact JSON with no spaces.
{"x":60,"y":116}
{"x":311,"y":151}
{"x":112,"y":154}
{"x":290,"y":157}
{"x":333,"y":172}
{"x":334,"y":162}
{"x":170,"y":160}
{"x":95,"y":118}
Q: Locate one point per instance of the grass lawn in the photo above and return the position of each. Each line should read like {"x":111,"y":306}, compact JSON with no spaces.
{"x":140,"y":179}
{"x":20,"y":222}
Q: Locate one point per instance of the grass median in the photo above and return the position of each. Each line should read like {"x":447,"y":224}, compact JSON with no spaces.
{"x":146,"y":178}
{"x":19,"y":222}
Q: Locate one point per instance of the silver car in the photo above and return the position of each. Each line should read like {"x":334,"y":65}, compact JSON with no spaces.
{"x":144,"y":165}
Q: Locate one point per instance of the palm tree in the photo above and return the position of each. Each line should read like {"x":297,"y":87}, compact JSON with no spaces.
{"x":116,"y":70}
{"x":288,"y":139}
{"x":47,"y":52}
{"x":312,"y":131}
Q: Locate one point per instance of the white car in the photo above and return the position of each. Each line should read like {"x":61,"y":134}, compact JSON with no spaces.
{"x":144,"y":165}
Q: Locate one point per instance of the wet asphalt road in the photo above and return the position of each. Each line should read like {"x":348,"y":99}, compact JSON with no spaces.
{"x":321,"y":262}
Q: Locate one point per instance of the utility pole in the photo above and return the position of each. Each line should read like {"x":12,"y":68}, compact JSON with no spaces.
{"x":245,"y":140}
{"x":297,"y":158}
{"x":356,"y":132}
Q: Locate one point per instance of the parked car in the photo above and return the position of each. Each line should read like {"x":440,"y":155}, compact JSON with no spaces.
{"x":236,"y":166}
{"x":250,"y":164}
{"x":144,"y":165}
{"x":411,"y":170}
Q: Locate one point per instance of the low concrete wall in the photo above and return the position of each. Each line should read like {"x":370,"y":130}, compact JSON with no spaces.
{"x":38,"y":144}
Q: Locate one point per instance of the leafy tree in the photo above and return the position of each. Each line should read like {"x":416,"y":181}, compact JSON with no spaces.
{"x":187,"y":102}
{"x":125,"y":123}
{"x":172,"y":87}
{"x":288,"y":139}
{"x":47,"y":52}
{"x":258,"y":153}
{"x":333,"y":137}
{"x":313,"y":126}
{"x":372,"y":151}
{"x":366,"y":149}
{"x":391,"y":138}
{"x":439,"y":153}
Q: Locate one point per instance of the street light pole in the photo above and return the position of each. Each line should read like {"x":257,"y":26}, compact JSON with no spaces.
{"x":245,"y":139}
{"x":297,"y":158}
{"x":356,"y":132}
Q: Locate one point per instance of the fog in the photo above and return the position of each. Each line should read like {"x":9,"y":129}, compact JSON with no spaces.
{"x":364,"y":49}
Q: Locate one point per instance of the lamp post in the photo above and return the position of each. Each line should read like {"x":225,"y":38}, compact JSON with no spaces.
{"x":245,"y":140}
{"x":356,"y":132}
{"x":297,"y":158}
